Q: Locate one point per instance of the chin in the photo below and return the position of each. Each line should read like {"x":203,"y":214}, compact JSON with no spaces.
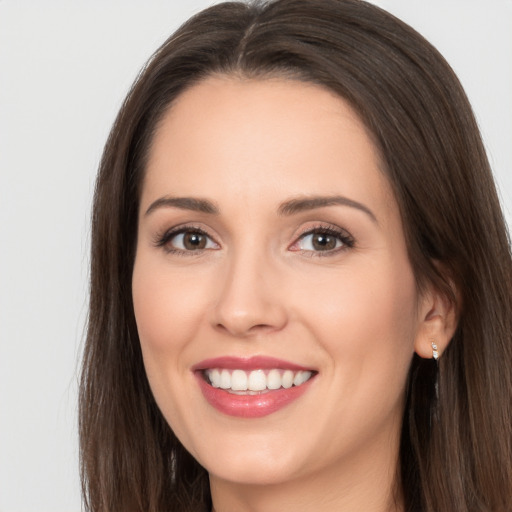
{"x":254,"y":466}
{"x":252,"y":473}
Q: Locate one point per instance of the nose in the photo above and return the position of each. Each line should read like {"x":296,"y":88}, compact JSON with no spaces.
{"x":250,"y":300}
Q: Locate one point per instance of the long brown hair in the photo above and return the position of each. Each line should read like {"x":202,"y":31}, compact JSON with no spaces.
{"x":456,"y":450}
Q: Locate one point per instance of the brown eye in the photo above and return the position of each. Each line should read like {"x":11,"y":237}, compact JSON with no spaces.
{"x":193,"y":241}
{"x":323,"y":242}
{"x":187,"y":240}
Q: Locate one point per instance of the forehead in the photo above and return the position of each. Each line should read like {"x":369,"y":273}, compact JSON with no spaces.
{"x":262,"y":139}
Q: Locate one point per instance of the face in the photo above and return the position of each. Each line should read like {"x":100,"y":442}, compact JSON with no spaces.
{"x":275,"y":303}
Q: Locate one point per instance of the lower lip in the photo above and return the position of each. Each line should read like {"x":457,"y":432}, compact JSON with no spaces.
{"x":250,"y":406}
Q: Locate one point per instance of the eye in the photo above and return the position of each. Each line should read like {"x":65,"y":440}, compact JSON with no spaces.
{"x":323,"y":239}
{"x":319,"y":242}
{"x":186,"y":240}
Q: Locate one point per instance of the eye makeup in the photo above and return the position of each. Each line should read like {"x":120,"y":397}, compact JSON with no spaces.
{"x":318,"y":240}
{"x":192,"y":239}
{"x":325,"y":240}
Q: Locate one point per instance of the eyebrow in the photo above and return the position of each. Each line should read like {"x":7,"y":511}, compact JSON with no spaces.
{"x":294,"y":206}
{"x":184,"y":203}
{"x":288,"y":208}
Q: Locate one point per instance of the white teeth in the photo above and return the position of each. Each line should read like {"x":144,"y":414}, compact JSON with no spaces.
{"x":300,"y":378}
{"x":274,"y":379}
{"x":225,"y":380}
{"x":287,"y":379}
{"x":239,"y":380}
{"x":215,"y":378}
{"x":256,"y":380}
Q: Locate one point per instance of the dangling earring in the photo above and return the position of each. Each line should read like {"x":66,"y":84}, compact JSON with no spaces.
{"x":435,"y":356}
{"x":435,"y":353}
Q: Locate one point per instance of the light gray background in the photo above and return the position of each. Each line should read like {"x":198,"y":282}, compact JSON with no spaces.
{"x":64,"y":70}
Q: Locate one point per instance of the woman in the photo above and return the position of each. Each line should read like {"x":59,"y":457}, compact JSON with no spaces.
{"x":301,"y":276}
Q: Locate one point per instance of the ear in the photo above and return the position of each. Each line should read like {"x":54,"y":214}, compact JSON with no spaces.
{"x":438,"y":319}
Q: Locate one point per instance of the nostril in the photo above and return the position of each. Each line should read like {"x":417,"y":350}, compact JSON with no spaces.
{"x":260,"y":327}
{"x":244,"y":329}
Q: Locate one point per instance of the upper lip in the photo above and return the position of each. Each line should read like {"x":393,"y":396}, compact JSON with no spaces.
{"x":248,"y":363}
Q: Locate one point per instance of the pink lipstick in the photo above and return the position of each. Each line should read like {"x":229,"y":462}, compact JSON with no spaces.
{"x":251,"y":387}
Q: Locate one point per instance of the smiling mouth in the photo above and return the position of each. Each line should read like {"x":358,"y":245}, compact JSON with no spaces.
{"x":255,"y":382}
{"x":252,"y":387}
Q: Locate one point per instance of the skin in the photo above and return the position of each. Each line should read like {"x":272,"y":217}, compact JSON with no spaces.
{"x":259,"y":287}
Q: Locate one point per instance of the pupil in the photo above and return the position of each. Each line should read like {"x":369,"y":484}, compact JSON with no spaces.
{"x":194,"y":241}
{"x":323,"y":242}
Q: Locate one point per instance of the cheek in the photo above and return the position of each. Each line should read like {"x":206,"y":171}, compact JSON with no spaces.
{"x":366,"y":321}
{"x":167,"y":307}
{"x":168,"y":311}
{"x":360,"y":299}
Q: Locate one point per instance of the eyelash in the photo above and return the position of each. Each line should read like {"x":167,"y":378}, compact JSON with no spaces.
{"x":343,"y":236}
{"x":162,"y":240}
{"x":347,"y":241}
